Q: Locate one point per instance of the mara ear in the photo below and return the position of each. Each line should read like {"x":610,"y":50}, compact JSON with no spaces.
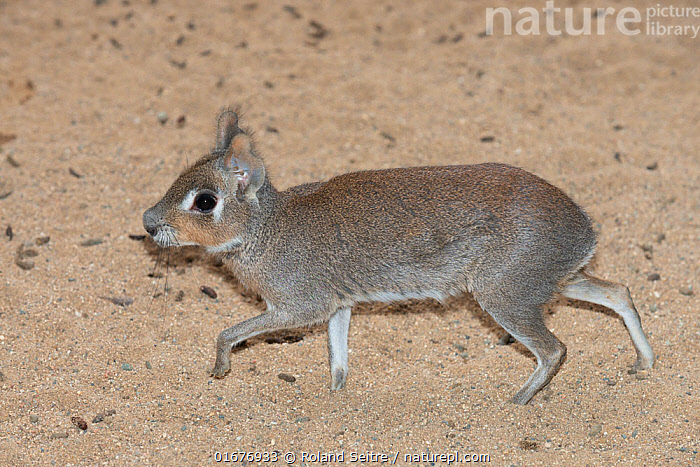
{"x":245,"y":167}
{"x":226,"y":129}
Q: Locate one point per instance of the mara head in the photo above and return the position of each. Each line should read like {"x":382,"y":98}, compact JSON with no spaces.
{"x":211,"y":202}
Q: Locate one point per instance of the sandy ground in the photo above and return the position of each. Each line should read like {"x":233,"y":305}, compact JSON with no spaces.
{"x":85,"y":90}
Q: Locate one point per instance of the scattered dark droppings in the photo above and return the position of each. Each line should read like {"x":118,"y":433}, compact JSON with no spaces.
{"x":242,"y":45}
{"x":178,"y":64}
{"x":286,"y":377}
{"x":138,"y":238}
{"x":292,"y":11}
{"x":43,"y":240}
{"x":155,"y":275}
{"x":114,"y":22}
{"x":180,"y":122}
{"x":488,"y":139}
{"x":79,"y":422}
{"x":269,"y":84}
{"x":388,"y":137}
{"x":5,"y":194}
{"x":180,"y":39}
{"x":482,"y":34}
{"x":191,"y":26}
{"x":100,"y":417}
{"x":618,"y":157}
{"x":208,"y":291}
{"x":120,"y":301}
{"x":653,"y":166}
{"x":91,"y":242}
{"x":618,"y":127}
{"x":660,"y":237}
{"x":457,"y":38}
{"x":317,"y":30}
{"x":10,"y":234}
{"x":527,"y":445}
{"x":250,"y":6}
{"x":12,"y":161}
{"x":115,"y":43}
{"x":205,"y":53}
{"x":74,"y":173}
{"x":271,"y":129}
{"x":441,"y":39}
{"x":654,"y":276}
{"x":180,"y":296}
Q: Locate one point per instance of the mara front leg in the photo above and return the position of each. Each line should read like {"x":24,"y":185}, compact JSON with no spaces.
{"x":273,"y":320}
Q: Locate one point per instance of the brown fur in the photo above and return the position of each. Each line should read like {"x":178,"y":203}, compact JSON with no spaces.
{"x":315,"y":250}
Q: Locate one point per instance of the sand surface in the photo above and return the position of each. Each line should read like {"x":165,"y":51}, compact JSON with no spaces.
{"x":103,"y":103}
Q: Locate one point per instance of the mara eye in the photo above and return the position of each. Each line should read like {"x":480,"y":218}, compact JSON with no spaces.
{"x":204,"y":202}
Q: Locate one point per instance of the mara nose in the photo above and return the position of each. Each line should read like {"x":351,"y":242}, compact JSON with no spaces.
{"x":151,"y":221}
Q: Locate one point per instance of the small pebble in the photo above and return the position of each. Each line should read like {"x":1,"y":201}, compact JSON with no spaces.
{"x":42,"y":240}
{"x":653,"y":308}
{"x":180,"y":122}
{"x":120,"y":301}
{"x":654,"y":276}
{"x":162,"y":117}
{"x":34,"y":418}
{"x":103,"y":415}
{"x":148,"y":365}
{"x":2,"y":377}
{"x":25,"y":264}
{"x":286,"y":377}
{"x":59,"y":435}
{"x":79,"y":422}
{"x":208,"y":291}
{"x":302,"y":419}
{"x":595,"y":430}
{"x":687,"y":291}
{"x":180,"y":295}
{"x":91,"y":242}
{"x":11,"y":160}
{"x":127,"y":367}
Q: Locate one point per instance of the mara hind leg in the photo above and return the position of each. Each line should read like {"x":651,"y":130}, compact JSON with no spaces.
{"x":526,"y":324}
{"x":617,"y":297}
